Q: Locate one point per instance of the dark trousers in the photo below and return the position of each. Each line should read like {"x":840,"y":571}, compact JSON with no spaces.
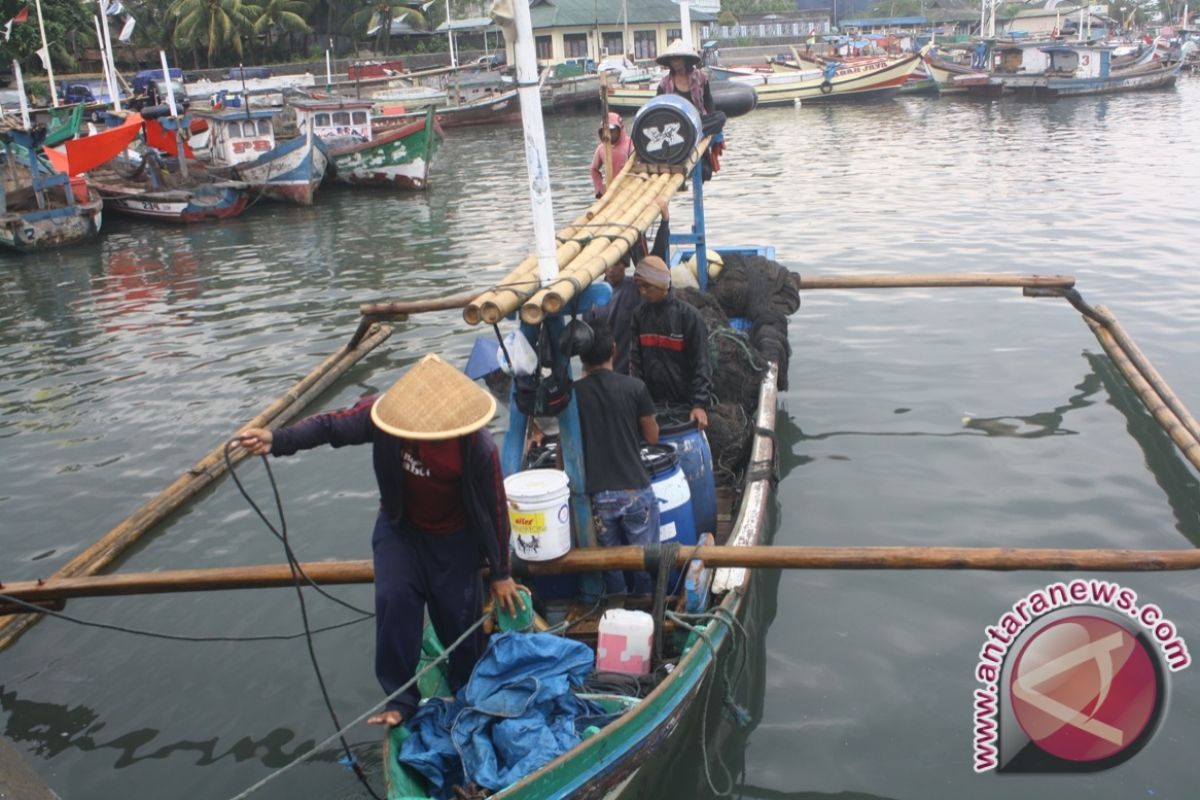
{"x":414,"y":570}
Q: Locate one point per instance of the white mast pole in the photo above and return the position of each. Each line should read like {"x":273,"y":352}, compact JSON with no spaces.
{"x":46,"y":47}
{"x":108,"y":80}
{"x":114,"y":91}
{"x":450,"y":36}
{"x":21,"y":94}
{"x":685,"y":21}
{"x":535,"y":144}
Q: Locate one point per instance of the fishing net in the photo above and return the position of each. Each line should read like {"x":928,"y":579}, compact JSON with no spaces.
{"x":764,"y":292}
{"x":736,"y":365}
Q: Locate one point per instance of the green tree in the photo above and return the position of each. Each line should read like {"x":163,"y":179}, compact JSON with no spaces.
{"x":218,"y":25}
{"x":69,"y":29}
{"x":382,"y":13}
{"x":282,"y":15}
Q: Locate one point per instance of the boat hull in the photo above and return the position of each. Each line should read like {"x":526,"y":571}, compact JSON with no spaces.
{"x":49,"y":229}
{"x":207,"y":204}
{"x":782,"y":89}
{"x":399,"y":158}
{"x":290,"y":173}
{"x":1133,"y":80}
{"x":605,"y":764}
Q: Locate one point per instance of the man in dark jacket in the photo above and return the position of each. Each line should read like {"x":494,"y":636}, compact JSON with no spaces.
{"x":669,"y":349}
{"x":442,"y":514}
{"x":618,"y":312}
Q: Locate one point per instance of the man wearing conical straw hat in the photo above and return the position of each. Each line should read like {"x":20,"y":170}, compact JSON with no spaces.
{"x":443,"y":512}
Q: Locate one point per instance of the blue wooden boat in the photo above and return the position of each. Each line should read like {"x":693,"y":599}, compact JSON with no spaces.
{"x":41,"y":208}
{"x":606,"y":759}
{"x":1066,"y":69}
{"x":243,"y":146}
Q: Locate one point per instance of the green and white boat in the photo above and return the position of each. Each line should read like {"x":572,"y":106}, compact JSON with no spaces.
{"x":359,"y":155}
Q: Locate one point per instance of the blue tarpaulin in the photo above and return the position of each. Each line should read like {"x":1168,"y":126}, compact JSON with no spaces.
{"x":516,"y":714}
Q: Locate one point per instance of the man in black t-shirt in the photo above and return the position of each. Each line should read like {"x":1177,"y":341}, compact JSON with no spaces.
{"x":616,"y":413}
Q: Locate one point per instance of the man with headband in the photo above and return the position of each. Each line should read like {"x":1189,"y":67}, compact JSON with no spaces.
{"x":669,"y":349}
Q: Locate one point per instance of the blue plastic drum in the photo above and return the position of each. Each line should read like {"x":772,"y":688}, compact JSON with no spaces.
{"x":695,"y":459}
{"x":676,"y":522}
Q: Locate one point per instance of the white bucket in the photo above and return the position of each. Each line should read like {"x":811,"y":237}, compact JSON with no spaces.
{"x":539,"y":513}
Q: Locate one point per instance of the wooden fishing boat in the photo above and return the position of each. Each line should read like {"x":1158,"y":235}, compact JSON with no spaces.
{"x":360,"y":155}
{"x":696,"y":622}
{"x":40,"y":208}
{"x":160,"y":190}
{"x":500,"y":107}
{"x":957,"y":79}
{"x":1079,"y":68}
{"x":868,"y":83}
{"x":242,"y":146}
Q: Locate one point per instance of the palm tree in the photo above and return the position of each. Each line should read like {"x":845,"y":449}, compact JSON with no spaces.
{"x":219,"y":23}
{"x":284,"y":15}
{"x":382,"y":13}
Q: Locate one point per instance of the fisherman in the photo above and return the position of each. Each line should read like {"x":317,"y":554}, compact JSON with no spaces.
{"x":615,"y":413}
{"x":620,"y":146}
{"x":685,"y":78}
{"x":618,"y":312}
{"x":442,"y":513}
{"x":669,"y":349}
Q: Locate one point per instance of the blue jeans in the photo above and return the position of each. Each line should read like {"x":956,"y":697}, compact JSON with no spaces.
{"x":626,"y":516}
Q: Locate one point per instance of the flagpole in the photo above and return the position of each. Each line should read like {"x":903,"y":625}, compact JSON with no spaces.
{"x":114,"y":92}
{"x":46,"y":47}
{"x":108,"y":81}
{"x":21,"y":94}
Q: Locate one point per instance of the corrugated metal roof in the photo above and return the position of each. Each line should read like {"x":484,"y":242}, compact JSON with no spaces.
{"x":584,"y":13}
{"x":870,"y":22}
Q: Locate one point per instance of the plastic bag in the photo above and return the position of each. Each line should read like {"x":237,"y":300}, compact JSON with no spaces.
{"x":518,"y":348}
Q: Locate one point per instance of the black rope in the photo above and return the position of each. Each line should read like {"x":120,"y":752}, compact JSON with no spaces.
{"x":297,"y":573}
{"x":664,"y":557}
{"x":178,"y":637}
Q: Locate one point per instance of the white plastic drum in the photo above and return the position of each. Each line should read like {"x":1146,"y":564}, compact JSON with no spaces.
{"x":539,"y":513}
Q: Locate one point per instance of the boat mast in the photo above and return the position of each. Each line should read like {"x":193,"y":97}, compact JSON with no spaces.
{"x":46,"y":48}
{"x":535,"y":143}
{"x":685,"y":22}
{"x":179,"y":151}
{"x":114,"y":91}
{"x":21,"y":94}
{"x":450,"y":36}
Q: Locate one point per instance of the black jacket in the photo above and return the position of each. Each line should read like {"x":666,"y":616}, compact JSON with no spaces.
{"x":669,"y":352}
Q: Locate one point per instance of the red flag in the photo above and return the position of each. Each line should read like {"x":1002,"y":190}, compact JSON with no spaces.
{"x":22,"y":15}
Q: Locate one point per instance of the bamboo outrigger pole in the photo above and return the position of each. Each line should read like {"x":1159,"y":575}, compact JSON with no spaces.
{"x":592,"y":559}
{"x":201,"y":475}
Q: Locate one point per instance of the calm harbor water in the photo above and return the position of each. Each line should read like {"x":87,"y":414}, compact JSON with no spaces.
{"x":931,"y":417}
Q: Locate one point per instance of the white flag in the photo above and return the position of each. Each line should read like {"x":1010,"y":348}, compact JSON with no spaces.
{"x":44,"y":54}
{"x":127,"y":30}
{"x":7,"y":30}
{"x":115,"y":8}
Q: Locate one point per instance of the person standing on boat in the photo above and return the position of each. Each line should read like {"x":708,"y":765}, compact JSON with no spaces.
{"x":442,"y":514}
{"x":618,"y":311}
{"x":669,"y":349}
{"x":619,"y":145}
{"x":616,"y":413}
{"x":685,"y":78}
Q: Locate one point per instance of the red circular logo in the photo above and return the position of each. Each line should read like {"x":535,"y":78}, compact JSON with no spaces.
{"x":1083,"y":688}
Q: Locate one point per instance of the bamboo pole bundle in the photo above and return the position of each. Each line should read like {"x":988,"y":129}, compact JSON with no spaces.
{"x":201,"y":475}
{"x":586,"y":269}
{"x":631,"y":557}
{"x":951,"y":280}
{"x":400,"y":309}
{"x":515,"y":290}
{"x":523,"y":281}
{"x":1147,"y":392}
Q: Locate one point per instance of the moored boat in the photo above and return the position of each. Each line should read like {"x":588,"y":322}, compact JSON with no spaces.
{"x":361,"y":155}
{"x":168,"y":192}
{"x":1062,"y":69}
{"x":40,"y":208}
{"x":957,"y":79}
{"x":833,"y":83}
{"x":242,"y":146}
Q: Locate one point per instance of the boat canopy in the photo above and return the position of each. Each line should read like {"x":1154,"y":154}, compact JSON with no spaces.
{"x":239,"y":135}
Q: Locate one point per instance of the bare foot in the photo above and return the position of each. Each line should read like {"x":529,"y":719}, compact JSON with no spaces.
{"x":391,"y":718}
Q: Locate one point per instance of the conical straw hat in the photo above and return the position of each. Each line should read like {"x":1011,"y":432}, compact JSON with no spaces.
{"x":433,"y":400}
{"x":678,"y":48}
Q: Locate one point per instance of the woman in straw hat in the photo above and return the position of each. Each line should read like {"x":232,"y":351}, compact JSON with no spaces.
{"x":442,"y":513}
{"x":686,"y":79}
